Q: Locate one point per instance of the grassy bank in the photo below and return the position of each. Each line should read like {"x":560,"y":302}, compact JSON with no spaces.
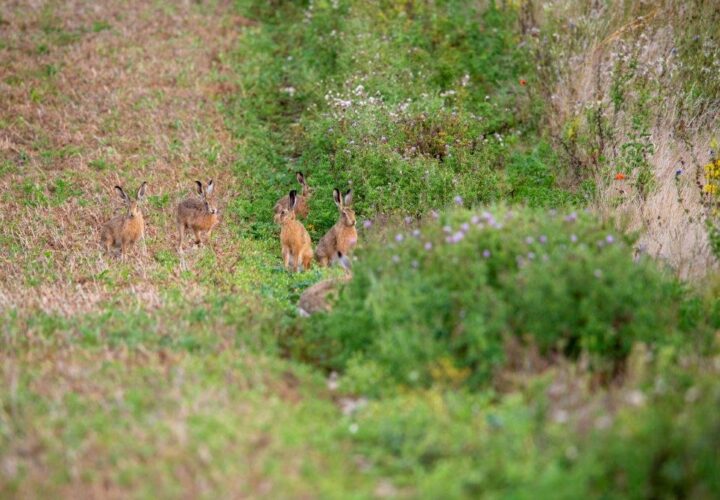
{"x":502,"y":334}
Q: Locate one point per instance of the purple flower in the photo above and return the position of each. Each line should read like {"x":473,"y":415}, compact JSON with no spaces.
{"x":610,"y":239}
{"x":571,"y":217}
{"x":486,"y":253}
{"x":531,"y":255}
{"x":458,"y":200}
{"x":408,"y":219}
{"x":434,"y":214}
{"x":678,"y":172}
{"x":455,"y":238}
{"x":428,"y":246}
{"x":399,"y":237}
{"x":475,"y":219}
{"x":542,"y":239}
{"x":416,"y":233}
{"x":367,"y":224}
{"x":487,"y":215}
{"x":465,"y":227}
{"x":573,"y":238}
{"x":529,"y":240}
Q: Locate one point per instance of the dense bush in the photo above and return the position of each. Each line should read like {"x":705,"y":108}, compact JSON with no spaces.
{"x":445,"y":296}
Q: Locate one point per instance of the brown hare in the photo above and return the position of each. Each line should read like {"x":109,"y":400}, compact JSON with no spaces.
{"x":301,"y":209}
{"x":125,"y":229}
{"x":197,"y":214}
{"x":318,"y":298}
{"x":342,"y":237}
{"x":294,"y":238}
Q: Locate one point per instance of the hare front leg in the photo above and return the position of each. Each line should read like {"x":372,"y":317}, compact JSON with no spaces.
{"x":181,"y":235}
{"x":286,"y":257}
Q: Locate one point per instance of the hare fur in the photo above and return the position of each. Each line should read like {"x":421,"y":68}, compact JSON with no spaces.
{"x":301,"y":208}
{"x":200,"y":215}
{"x":126,"y":229}
{"x":342,"y":237}
{"x":294,"y":238}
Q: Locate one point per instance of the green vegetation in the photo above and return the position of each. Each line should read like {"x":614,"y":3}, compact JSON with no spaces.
{"x":499,"y":337}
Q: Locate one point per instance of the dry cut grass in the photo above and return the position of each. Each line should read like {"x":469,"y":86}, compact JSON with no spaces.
{"x":97,"y":94}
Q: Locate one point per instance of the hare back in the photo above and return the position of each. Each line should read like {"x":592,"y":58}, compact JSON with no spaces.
{"x":317,"y":297}
{"x":123,"y":229}
{"x":192,"y":214}
{"x":340,"y":238}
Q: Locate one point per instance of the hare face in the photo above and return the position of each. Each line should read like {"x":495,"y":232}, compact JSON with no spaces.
{"x":210,"y":207}
{"x":348,"y":217}
{"x":284,"y":216}
{"x":134,"y":210}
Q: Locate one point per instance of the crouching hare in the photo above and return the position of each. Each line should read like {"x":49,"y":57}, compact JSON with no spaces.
{"x":124,"y":230}
{"x":301,"y":207}
{"x":342,"y":237}
{"x":294,"y":238}
{"x":200,"y":215}
{"x":320,"y":296}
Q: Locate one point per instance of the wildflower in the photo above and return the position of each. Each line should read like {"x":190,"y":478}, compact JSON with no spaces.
{"x":573,"y":238}
{"x":531,"y":255}
{"x":408,"y":219}
{"x":678,"y":172}
{"x":465,"y":227}
{"x":619,"y":176}
{"x":542,"y":239}
{"x":428,"y":246}
{"x":486,"y":253}
{"x":529,"y":240}
{"x":572,"y":217}
{"x":367,"y":224}
{"x":475,"y":219}
{"x":395,"y":259}
{"x":455,"y":238}
{"x":710,"y":188}
{"x":434,"y":214}
{"x":523,"y":81}
{"x":416,"y":233}
{"x":610,"y":239}
{"x":399,"y":237}
{"x":458,"y":200}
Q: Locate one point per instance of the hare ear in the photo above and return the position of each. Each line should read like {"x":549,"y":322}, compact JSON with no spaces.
{"x":348,"y":197}
{"x":199,"y":187}
{"x":122,"y":194}
{"x":141,"y":191}
{"x":300,"y":177}
{"x":336,"y":197}
{"x":293,"y":199}
{"x":209,"y":188}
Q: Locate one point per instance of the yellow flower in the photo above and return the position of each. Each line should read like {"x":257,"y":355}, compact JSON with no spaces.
{"x":710,"y":188}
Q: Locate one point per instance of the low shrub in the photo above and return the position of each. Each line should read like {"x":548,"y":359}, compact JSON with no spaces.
{"x":439,"y":300}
